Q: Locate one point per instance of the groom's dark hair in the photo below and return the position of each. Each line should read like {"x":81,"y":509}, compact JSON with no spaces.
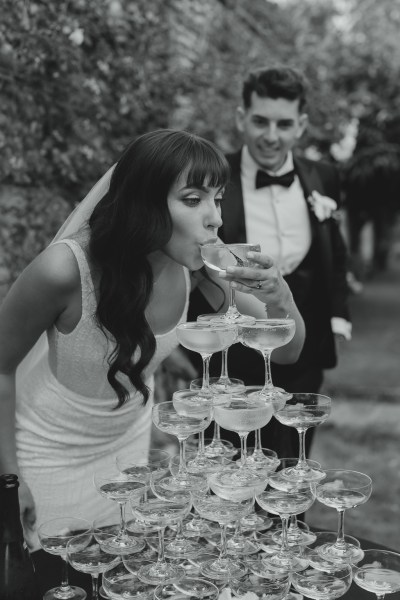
{"x":275,"y":82}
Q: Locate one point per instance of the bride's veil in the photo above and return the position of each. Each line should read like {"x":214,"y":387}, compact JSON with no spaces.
{"x":71,"y":225}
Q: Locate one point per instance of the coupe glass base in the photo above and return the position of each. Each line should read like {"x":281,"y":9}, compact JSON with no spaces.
{"x":71,"y":593}
{"x":155,"y":574}
{"x":341,"y":555}
{"x":300,"y":474}
{"x":223,"y":569}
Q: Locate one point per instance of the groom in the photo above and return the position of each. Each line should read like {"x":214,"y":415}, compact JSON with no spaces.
{"x":287,"y":204}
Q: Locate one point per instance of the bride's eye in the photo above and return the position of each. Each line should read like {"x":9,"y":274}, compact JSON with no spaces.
{"x":192,"y":200}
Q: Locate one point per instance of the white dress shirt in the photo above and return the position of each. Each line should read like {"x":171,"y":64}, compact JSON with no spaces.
{"x":276,"y":217}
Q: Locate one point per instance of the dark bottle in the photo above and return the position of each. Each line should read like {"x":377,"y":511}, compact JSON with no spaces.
{"x":17,"y":574}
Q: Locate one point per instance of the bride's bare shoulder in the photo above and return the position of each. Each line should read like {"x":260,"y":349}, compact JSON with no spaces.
{"x":58,"y":266}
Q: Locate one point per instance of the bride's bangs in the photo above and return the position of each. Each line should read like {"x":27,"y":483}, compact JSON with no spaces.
{"x":207,"y":167}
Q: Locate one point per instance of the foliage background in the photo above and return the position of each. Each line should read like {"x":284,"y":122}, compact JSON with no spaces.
{"x":80,"y":78}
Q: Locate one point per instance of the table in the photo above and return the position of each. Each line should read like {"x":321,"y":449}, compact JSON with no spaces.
{"x":48,"y":568}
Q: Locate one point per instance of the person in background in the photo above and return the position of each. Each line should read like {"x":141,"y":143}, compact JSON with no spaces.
{"x":86,"y":324}
{"x":287,"y":204}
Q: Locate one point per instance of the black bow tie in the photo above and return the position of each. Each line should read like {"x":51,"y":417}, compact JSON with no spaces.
{"x":263,"y":179}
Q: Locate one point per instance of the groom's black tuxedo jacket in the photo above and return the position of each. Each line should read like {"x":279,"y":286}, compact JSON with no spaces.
{"x":318,"y":284}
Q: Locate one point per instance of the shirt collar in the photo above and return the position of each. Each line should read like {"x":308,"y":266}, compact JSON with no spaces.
{"x":250,"y":167}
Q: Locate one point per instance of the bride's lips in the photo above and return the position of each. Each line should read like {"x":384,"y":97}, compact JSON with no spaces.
{"x":210,"y":241}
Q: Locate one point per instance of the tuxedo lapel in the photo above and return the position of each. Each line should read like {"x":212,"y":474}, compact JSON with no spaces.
{"x":234,"y":228}
{"x":311,"y":180}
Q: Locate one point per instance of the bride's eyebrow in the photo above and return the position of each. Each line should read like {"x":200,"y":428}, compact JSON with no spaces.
{"x":202,"y":188}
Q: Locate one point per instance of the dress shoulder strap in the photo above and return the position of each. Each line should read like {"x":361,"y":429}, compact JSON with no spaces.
{"x":89,"y":303}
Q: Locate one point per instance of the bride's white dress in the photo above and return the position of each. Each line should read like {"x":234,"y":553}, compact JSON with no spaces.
{"x":65,"y":422}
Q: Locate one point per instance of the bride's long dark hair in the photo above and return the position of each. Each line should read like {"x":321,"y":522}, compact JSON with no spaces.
{"x":132,"y":220}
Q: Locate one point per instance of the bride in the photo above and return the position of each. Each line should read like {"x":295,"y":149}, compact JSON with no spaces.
{"x":86,"y":324}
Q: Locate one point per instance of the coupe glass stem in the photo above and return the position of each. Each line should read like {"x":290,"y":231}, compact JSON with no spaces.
{"x":122,"y":526}
{"x":257,"y":443}
{"x":223,"y":552}
{"x":340,"y":543}
{"x":268,"y":385}
{"x":182,"y":456}
{"x":95,"y":586}
{"x":200,"y":449}
{"x":302,"y":464}
{"x":205,"y":386}
{"x":232,"y":313}
{"x":224,"y":378}
{"x":243,"y":449}
{"x":65,"y":587}
{"x":217,"y":433}
{"x":161,"y":554}
{"x":284,"y":544}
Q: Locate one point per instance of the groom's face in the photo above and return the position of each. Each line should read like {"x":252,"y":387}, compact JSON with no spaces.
{"x":270,"y":128}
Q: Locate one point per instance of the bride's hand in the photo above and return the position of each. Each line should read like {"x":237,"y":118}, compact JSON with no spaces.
{"x":264,"y":280}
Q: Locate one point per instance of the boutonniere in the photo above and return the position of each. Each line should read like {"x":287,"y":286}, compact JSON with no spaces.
{"x":322,"y":206}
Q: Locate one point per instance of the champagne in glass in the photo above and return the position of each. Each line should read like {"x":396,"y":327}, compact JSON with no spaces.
{"x":378,"y":572}
{"x":220,"y":256}
{"x":159,"y":513}
{"x":85,"y":554}
{"x":292,"y":501}
{"x":223,"y":512}
{"x":264,"y":336}
{"x":303,"y":411}
{"x":206,"y":338}
{"x":327,"y":582}
{"x":187,"y":588}
{"x":167,"y":419}
{"x":342,"y":489}
{"x":242,"y":416}
{"x":53,"y":537}
{"x":118,"y":487}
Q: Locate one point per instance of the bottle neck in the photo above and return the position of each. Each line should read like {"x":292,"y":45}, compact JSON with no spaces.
{"x":10,"y":522}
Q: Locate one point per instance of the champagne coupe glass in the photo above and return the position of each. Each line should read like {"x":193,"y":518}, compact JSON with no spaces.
{"x":215,"y":508}
{"x":195,"y":526}
{"x":187,"y":588}
{"x":53,"y":537}
{"x":206,"y":338}
{"x":85,"y":554}
{"x":239,"y":544}
{"x":302,"y":411}
{"x":242,"y":416}
{"x":139,"y":466}
{"x":220,"y":256}
{"x":118,"y":487}
{"x":159,"y":513}
{"x":378,"y":572}
{"x":188,"y":403}
{"x":274,"y":587}
{"x":168,"y":420}
{"x":222,"y":384}
{"x":119,"y":583}
{"x":292,"y":501}
{"x":327,"y":582}
{"x":342,"y":489}
{"x":299,"y":533}
{"x":264,"y":335}
{"x":179,"y":547}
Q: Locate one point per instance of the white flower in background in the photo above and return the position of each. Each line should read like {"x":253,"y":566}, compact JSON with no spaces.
{"x":77,"y":36}
{"x":322,"y":206}
{"x":343,"y":150}
{"x":312,"y":153}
